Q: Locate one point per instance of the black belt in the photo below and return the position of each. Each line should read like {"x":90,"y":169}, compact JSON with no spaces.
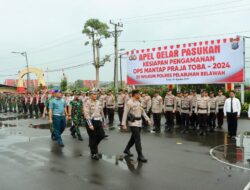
{"x":185,"y":108}
{"x":110,"y":105}
{"x":169,"y":106}
{"x":138,"y":118}
{"x":212,"y":108}
{"x":202,"y":108}
{"x":120,"y":104}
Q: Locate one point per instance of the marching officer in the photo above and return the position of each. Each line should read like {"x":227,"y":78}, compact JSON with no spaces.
{"x":76,"y":114}
{"x":220,"y":102}
{"x":93,"y":113}
{"x":57,"y":116}
{"x":213,"y":112}
{"x":169,"y":110}
{"x":186,"y":111}
{"x":157,"y":104}
{"x":202,"y":110}
{"x":110,"y":100}
{"x":120,"y":104}
{"x":133,"y":113}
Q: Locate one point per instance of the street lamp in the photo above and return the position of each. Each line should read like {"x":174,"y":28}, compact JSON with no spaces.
{"x":27,"y":66}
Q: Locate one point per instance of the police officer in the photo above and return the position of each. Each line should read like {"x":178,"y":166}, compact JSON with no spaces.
{"x":220,"y":102}
{"x":202,"y":110}
{"x":110,"y":100}
{"x":186,"y":111}
{"x":145,"y":104}
{"x":76,"y":114}
{"x":157,"y":105}
{"x":120,"y":104}
{"x":133,"y":113}
{"x":213,"y":112}
{"x":102,"y":99}
{"x":169,"y":110}
{"x":57,"y":116}
{"x":193,"y":118}
{"x":93,"y":113}
{"x":177,"y":111}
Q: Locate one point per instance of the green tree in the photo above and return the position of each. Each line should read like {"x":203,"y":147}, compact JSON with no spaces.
{"x":96,"y":30}
{"x":64,"y":84}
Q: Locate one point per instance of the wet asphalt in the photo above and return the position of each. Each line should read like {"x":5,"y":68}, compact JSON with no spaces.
{"x":29,"y":160}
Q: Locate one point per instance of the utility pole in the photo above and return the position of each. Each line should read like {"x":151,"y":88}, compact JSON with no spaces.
{"x":116,"y":34}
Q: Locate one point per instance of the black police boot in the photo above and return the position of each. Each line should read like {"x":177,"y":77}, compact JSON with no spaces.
{"x":80,"y":138}
{"x":128,"y":153}
{"x":95,"y":157}
{"x":141,"y":158}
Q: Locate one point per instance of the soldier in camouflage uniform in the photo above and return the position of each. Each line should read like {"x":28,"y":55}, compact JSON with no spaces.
{"x":1,"y":102}
{"x":10,"y":102}
{"x":14,"y":102}
{"x":5,"y":103}
{"x":76,"y":114}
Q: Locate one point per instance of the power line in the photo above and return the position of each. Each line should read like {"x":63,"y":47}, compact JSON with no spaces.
{"x":186,"y":9}
{"x":181,"y":16}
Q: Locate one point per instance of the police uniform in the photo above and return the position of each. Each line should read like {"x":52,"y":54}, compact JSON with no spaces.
{"x":110,"y":101}
{"x":202,"y":110}
{"x":157,"y":104}
{"x":213,"y":112}
{"x":193,"y":117}
{"x":169,"y":108}
{"x":102,"y":99}
{"x":186,"y":111}
{"x":146,"y":105}
{"x":120,"y":104}
{"x":134,"y":108}
{"x":93,"y":113}
{"x":177,"y":112}
{"x":220,"y":115}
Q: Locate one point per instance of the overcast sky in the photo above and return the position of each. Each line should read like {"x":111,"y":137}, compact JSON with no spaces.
{"x":50,"y":30}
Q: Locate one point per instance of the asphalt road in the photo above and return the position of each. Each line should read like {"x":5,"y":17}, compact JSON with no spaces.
{"x":30,"y":161}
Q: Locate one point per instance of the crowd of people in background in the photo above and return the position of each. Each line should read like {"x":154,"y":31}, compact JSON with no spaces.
{"x":186,"y":110}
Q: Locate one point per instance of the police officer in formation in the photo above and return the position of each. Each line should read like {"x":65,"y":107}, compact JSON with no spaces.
{"x":169,"y":108}
{"x":185,"y":111}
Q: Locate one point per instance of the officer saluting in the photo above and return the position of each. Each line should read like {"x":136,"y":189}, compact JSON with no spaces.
{"x":133,"y":114}
{"x":93,"y":112}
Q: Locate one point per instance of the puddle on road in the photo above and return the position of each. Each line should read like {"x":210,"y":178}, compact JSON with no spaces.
{"x":236,"y":152}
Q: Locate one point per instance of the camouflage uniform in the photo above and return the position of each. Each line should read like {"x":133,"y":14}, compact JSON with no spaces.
{"x":77,"y":117}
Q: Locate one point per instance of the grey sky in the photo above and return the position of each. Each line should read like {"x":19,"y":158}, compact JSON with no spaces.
{"x":50,"y":30}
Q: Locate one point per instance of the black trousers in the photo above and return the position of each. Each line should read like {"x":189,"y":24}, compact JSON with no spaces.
{"x":211,"y":120}
{"x":95,"y":136}
{"x":25,"y":108}
{"x":41,"y":107}
{"x":36,"y":109}
{"x":185,"y":121}
{"x":220,"y":117}
{"x":169,"y":115}
{"x":232,"y":122}
{"x":194,"y":119}
{"x":105,"y":112}
{"x":120,"y":113}
{"x":202,"y":117}
{"x":30,"y":108}
{"x":111,"y":113}
{"x":135,"y":139}
{"x":178,"y":118}
{"x":157,"y":121}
